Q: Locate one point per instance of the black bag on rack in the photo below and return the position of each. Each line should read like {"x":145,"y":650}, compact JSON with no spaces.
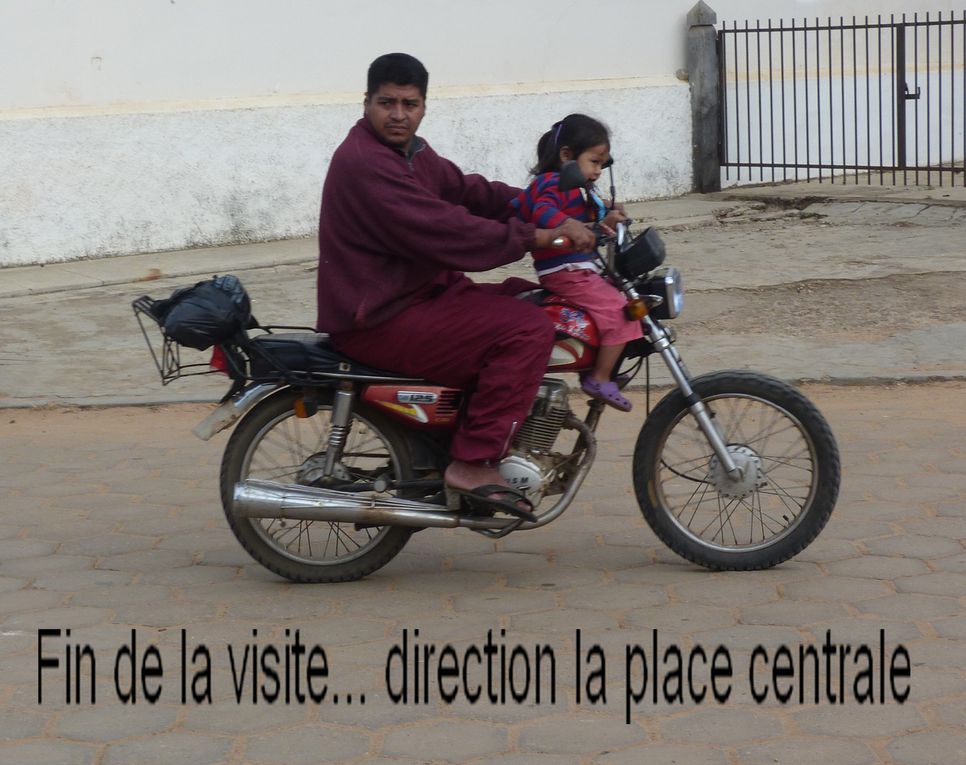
{"x":208,"y":313}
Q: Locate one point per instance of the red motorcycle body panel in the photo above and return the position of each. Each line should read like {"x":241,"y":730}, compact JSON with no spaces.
{"x":434,"y":407}
{"x":575,"y":348}
{"x":424,"y":407}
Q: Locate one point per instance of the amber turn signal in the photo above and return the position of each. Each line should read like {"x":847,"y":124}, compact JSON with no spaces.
{"x":635,"y":309}
{"x":304,"y":409}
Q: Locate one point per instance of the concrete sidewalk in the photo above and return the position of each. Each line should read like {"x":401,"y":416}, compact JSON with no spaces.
{"x":804,"y":290}
{"x":686,"y":212}
{"x":852,"y":190}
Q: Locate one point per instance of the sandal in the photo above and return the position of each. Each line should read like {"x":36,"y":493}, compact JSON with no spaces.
{"x":489,"y":498}
{"x":608,"y":392}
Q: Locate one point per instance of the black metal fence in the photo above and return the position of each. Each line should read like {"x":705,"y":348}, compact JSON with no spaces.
{"x":844,"y":102}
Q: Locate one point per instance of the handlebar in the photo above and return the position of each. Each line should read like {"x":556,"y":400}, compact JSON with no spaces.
{"x":622,"y":231}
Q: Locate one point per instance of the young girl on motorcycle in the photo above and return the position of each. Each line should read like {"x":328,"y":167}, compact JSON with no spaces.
{"x":576,"y":275}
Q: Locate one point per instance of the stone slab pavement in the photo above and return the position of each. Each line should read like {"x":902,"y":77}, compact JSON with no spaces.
{"x":111,"y":532}
{"x":110,"y":522}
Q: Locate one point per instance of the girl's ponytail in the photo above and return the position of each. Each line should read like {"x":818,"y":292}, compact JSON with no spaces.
{"x":548,"y":155}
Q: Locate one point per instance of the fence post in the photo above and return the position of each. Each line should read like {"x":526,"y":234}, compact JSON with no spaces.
{"x":702,"y":65}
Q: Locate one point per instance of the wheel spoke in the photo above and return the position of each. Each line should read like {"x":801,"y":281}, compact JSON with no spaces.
{"x":681,"y":468}
{"x":786,"y":498}
{"x":762,"y":505}
{"x":283,"y":471}
{"x":790,"y":462}
{"x":783,"y":492}
{"x":287,"y":446}
{"x":717,"y":517}
{"x":704,"y":489}
{"x":736,"y":421}
{"x":762,"y":515}
{"x":268,"y":461}
{"x":760,"y":440}
{"x":295,"y":442}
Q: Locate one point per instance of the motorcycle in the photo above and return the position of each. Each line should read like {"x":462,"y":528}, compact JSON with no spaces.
{"x":334,"y":465}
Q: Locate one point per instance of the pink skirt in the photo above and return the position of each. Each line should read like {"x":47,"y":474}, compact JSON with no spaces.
{"x":600,"y":299}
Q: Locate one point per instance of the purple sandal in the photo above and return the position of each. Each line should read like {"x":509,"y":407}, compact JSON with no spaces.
{"x":608,"y":392}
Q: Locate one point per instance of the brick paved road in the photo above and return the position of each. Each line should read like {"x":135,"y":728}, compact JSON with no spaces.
{"x":109,"y":521}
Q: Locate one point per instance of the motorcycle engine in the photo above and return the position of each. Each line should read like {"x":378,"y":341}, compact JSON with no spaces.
{"x":530,"y":466}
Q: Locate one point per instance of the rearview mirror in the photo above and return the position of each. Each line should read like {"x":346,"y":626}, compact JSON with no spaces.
{"x":623,"y":234}
{"x":570,"y":176}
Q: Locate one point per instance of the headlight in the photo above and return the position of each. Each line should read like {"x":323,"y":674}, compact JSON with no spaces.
{"x":664,"y":283}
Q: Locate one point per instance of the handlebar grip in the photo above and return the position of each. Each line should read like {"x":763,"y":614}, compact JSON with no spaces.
{"x":562,"y":243}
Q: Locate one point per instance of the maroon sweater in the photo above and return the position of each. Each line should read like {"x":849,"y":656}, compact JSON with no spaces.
{"x":392,"y":228}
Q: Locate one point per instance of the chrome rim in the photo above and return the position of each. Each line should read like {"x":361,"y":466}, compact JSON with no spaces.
{"x":290,"y":449}
{"x":764,"y":505}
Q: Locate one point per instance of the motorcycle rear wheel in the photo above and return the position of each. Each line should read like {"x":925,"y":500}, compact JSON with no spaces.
{"x":271,"y":443}
{"x":790,"y":476}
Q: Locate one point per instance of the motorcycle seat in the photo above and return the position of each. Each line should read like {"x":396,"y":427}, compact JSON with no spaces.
{"x":309,"y":355}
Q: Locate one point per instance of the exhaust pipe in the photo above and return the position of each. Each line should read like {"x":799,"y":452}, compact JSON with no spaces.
{"x":267,"y":499}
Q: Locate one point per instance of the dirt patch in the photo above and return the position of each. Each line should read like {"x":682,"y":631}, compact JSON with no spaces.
{"x":869,"y":308}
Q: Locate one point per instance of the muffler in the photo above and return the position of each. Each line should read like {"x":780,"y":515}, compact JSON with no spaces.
{"x":267,"y":499}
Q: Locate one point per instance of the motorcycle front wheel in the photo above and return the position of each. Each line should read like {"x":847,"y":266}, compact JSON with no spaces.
{"x":789,"y":473}
{"x":272,"y":444}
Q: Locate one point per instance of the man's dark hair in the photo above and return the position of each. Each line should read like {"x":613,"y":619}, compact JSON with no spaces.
{"x":397,"y":69}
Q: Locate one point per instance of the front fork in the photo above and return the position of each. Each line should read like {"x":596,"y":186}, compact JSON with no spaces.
{"x":659,"y":339}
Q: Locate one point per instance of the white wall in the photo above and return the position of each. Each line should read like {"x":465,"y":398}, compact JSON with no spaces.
{"x":104,"y":52}
{"x":116,"y":183}
{"x":131,"y":126}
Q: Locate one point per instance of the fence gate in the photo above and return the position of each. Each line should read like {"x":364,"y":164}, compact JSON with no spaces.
{"x":844,"y":102}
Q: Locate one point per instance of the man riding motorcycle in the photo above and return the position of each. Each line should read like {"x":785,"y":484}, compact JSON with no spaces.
{"x":398,"y":226}
{"x":335,"y":463}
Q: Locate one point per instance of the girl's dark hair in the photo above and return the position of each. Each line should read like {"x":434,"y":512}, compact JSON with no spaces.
{"x":577,"y":132}
{"x":397,"y":69}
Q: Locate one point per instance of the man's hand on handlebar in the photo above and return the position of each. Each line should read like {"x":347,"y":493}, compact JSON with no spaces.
{"x":581,"y":237}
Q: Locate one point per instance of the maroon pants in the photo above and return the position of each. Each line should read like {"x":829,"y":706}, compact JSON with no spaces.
{"x":472,"y":336}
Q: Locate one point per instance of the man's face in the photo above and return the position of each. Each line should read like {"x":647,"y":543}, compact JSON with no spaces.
{"x":395,"y":111}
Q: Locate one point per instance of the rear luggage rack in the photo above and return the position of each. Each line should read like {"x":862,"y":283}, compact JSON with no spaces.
{"x":298,"y":356}
{"x":165,"y":352}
